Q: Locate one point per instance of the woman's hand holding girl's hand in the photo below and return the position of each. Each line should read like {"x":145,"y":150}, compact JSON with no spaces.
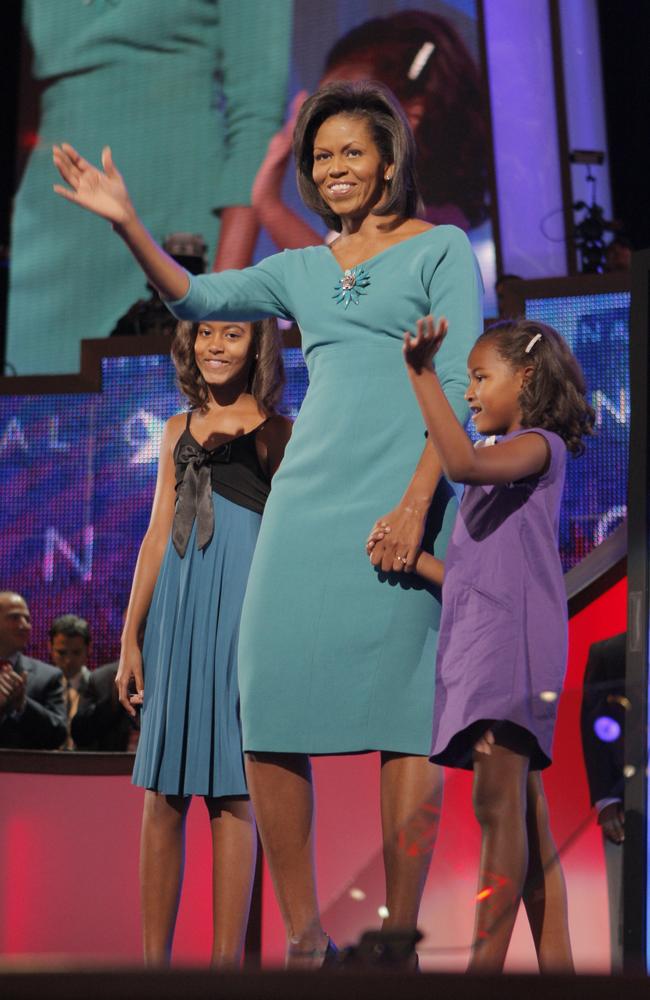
{"x":420,"y":349}
{"x":100,"y":191}
{"x":395,"y":540}
{"x":130,"y":669}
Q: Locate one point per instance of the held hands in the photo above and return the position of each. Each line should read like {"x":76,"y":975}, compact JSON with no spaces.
{"x":395,"y":540}
{"x":420,"y":349}
{"x":129,"y":676}
{"x":100,"y":191}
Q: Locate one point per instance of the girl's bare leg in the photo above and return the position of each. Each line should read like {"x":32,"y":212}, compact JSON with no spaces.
{"x":544,"y":892}
{"x":411,"y":796}
{"x":234,"y":852}
{"x":161,"y":871}
{"x":282,"y":795}
{"x":500,"y":808}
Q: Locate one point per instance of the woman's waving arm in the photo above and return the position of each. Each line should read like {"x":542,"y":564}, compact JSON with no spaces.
{"x":103,"y":192}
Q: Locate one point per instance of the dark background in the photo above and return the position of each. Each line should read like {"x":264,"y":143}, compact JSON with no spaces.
{"x":624,"y":34}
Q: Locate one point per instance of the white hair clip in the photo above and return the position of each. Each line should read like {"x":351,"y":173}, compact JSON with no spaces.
{"x":532,"y":342}
{"x":422,"y":57}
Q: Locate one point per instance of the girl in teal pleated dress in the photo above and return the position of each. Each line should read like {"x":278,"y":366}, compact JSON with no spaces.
{"x":214,"y":473}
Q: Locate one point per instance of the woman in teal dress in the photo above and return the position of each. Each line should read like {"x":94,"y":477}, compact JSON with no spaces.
{"x":337,"y":653}
{"x":187,"y":93}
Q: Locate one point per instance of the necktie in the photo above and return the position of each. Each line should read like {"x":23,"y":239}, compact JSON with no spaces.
{"x":71,"y":704}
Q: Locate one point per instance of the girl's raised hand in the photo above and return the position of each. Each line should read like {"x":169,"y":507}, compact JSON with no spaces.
{"x":419,"y":349}
{"x":100,"y":191}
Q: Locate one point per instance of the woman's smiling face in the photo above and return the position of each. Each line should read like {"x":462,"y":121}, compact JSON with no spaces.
{"x":348,"y":168}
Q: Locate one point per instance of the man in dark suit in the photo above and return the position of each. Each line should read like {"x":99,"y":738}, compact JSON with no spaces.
{"x":69,"y":651}
{"x":32,"y":707}
{"x":602,"y":721}
{"x":100,"y":722}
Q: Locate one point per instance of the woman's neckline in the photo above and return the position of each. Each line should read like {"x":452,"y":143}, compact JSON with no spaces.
{"x":380,"y":253}
{"x":235,"y":437}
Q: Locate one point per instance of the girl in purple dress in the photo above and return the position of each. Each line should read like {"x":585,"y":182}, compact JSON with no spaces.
{"x":503,"y":634}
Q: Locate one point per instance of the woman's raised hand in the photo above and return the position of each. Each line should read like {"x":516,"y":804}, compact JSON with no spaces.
{"x":420,"y":349}
{"x":100,"y":191}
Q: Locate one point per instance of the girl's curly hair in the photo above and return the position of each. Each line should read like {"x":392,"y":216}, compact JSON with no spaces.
{"x":554,"y":396}
{"x":266,"y":379}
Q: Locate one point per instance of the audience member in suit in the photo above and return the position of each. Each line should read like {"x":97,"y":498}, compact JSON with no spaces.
{"x":100,"y":722}
{"x":602,"y":716}
{"x":32,"y":706}
{"x":69,"y":650}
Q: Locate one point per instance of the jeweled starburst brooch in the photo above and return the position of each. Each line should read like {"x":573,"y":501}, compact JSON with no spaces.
{"x":351,"y":285}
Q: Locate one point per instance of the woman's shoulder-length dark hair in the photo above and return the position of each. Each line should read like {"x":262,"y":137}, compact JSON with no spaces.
{"x":267,"y":370}
{"x":391,"y":133}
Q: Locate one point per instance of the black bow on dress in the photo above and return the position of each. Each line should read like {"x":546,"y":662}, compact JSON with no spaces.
{"x":195,"y":495}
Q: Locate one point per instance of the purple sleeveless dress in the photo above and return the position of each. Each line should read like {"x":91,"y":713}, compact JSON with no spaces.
{"x":503,"y":634}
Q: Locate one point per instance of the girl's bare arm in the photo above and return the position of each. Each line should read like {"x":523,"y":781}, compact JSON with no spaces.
{"x":523,"y":456}
{"x":147,"y":568}
{"x":430,"y":568}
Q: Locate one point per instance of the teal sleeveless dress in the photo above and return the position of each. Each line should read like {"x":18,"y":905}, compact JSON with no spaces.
{"x":334,"y":656}
{"x":190,"y":736}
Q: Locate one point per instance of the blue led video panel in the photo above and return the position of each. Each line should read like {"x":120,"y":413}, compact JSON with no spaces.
{"x":78,"y":474}
{"x":596,"y":328}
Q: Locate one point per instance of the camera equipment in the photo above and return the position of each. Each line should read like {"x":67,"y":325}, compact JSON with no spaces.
{"x":592,"y":226}
{"x":150,"y":316}
{"x":591,"y":157}
{"x":188,"y":250}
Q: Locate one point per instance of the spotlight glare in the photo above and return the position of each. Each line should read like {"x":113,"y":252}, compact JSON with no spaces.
{"x":383,"y":912}
{"x":607,"y":729}
{"x":357,"y":894}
